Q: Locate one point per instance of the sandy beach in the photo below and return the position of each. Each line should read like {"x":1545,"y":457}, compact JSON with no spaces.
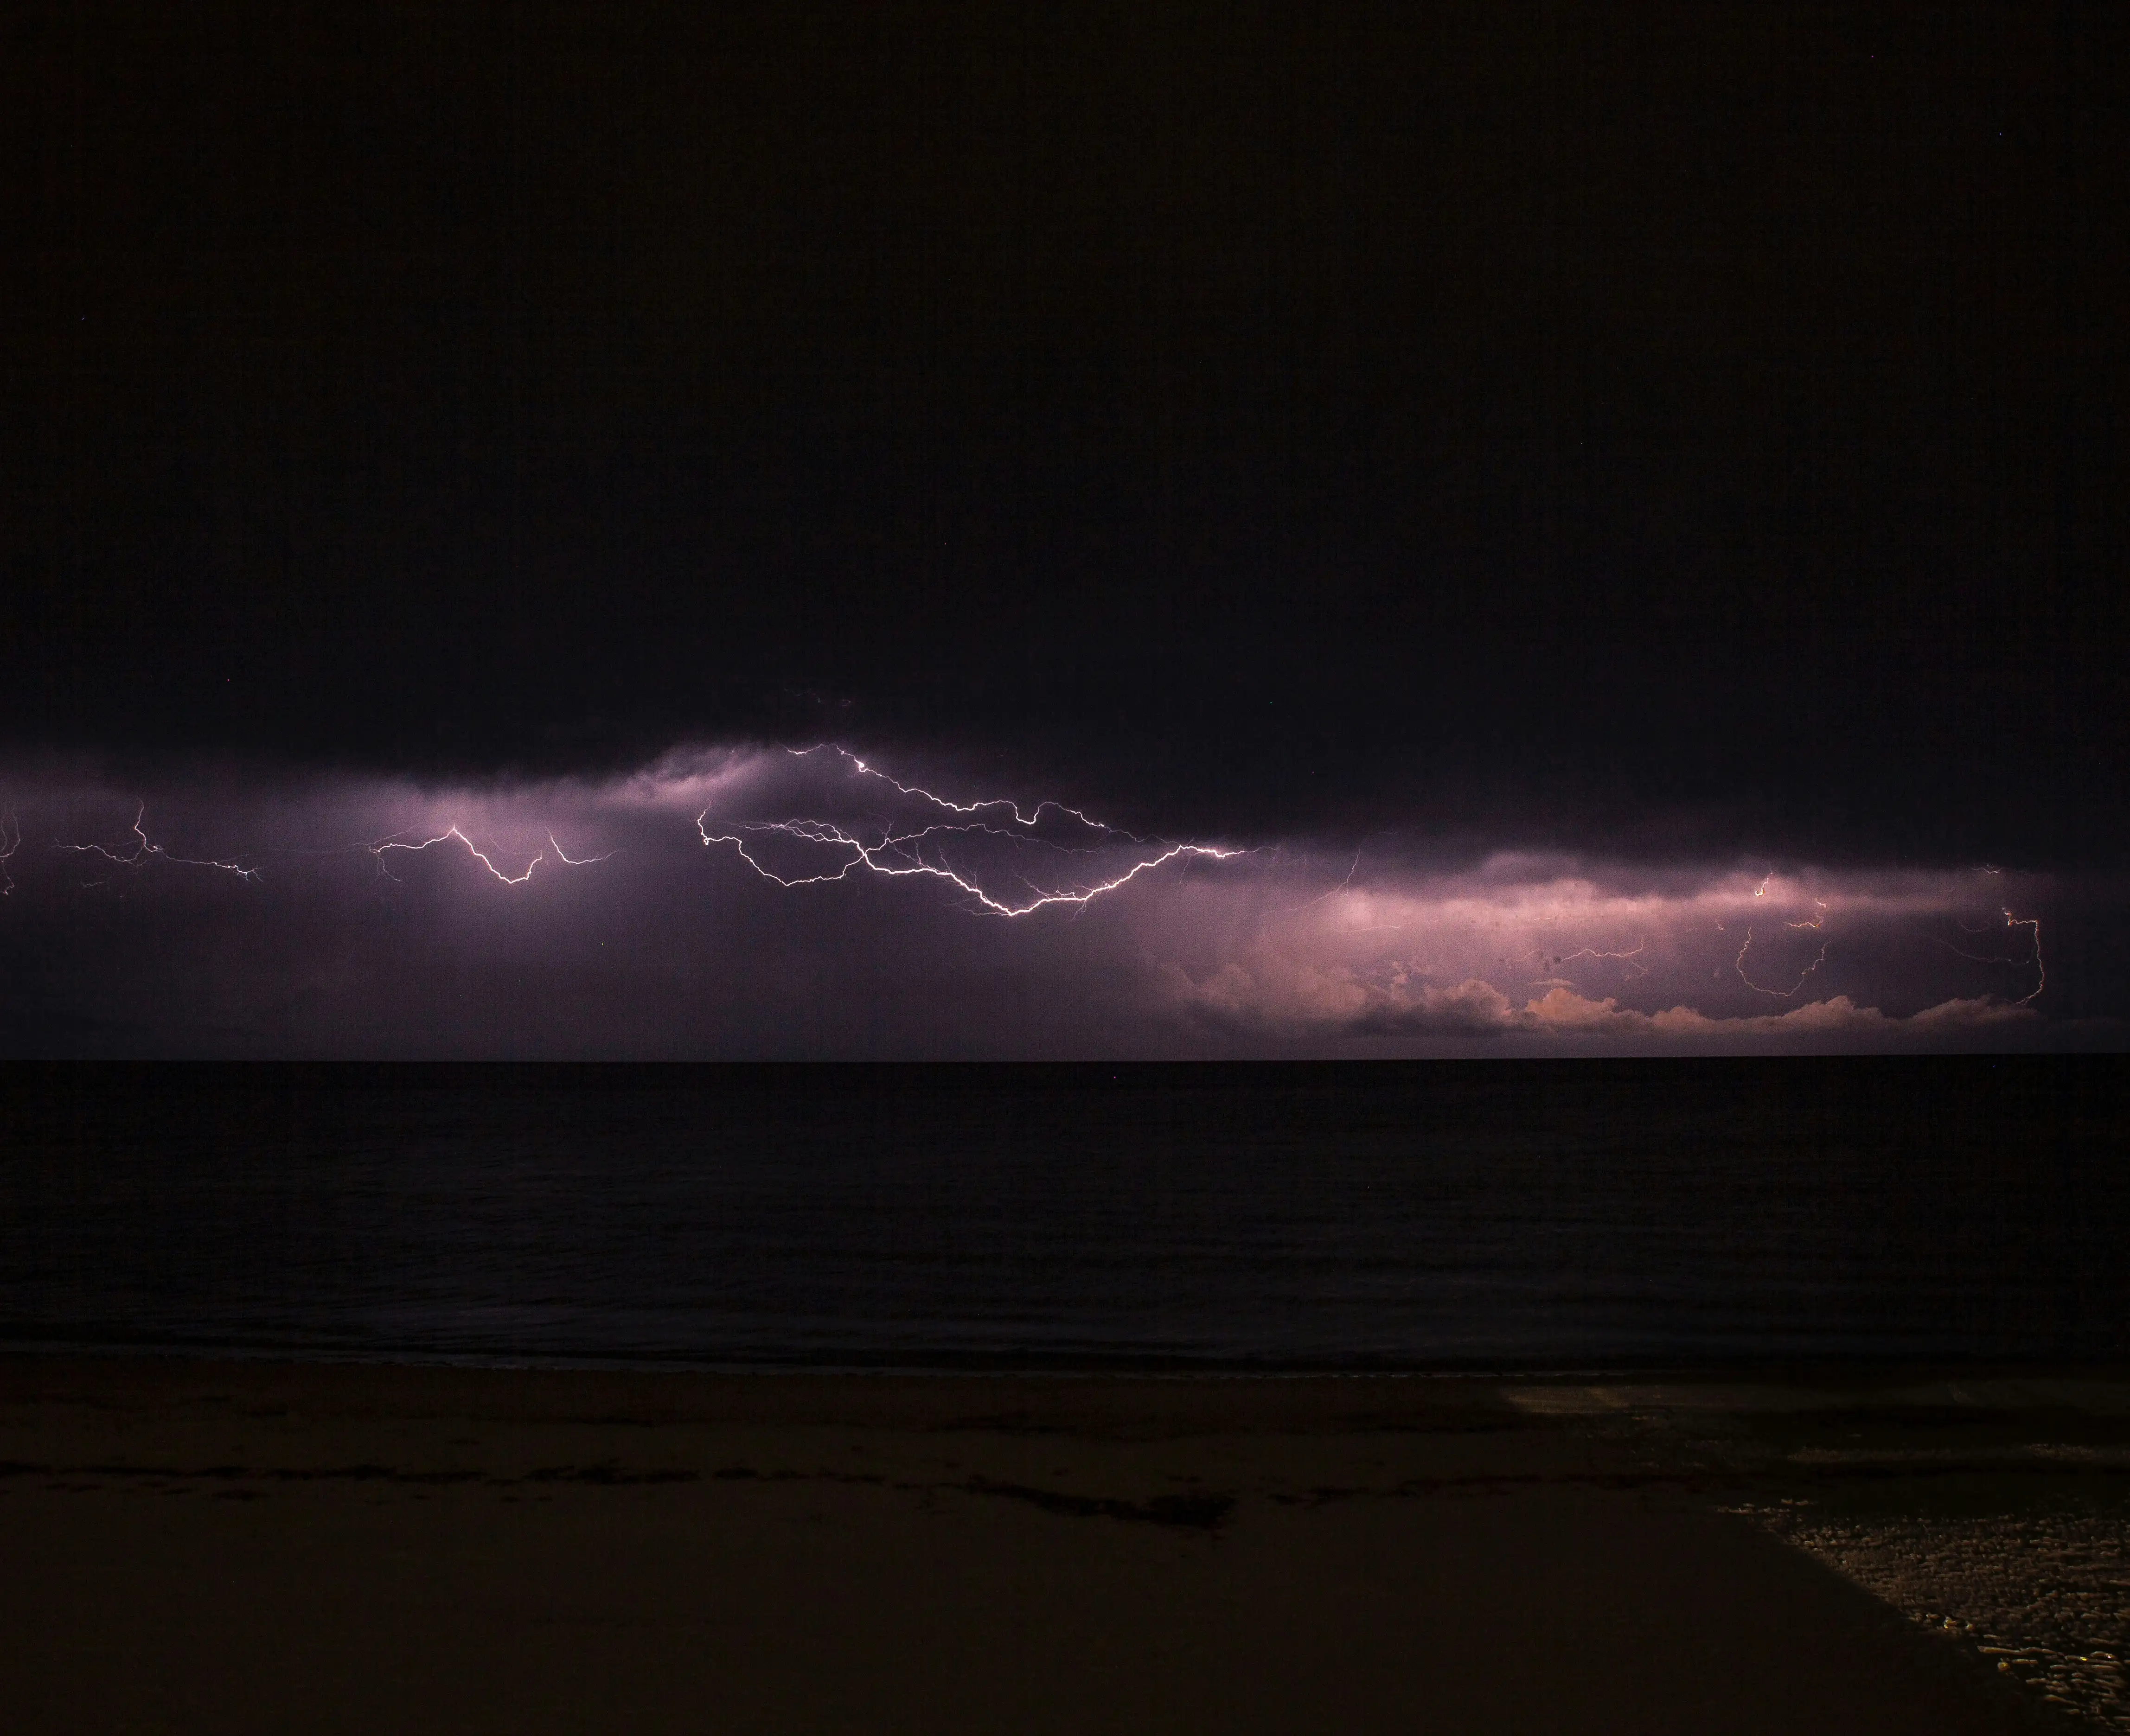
{"x":239,"y":1546}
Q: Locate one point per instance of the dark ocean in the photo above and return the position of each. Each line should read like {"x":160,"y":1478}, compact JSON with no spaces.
{"x":1431,"y":1215}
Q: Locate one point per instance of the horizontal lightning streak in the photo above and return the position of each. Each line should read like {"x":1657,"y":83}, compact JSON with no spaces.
{"x":394,"y":842}
{"x":144,"y":850}
{"x":1630,"y":958}
{"x":891,"y":858}
{"x":922,"y":851}
{"x":986,"y":850}
{"x":1031,"y":817}
{"x":382,"y":845}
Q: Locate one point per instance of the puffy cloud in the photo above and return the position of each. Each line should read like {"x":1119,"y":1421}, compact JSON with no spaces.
{"x":1562,"y":1010}
{"x":1553,"y":951}
{"x":1335,"y":1002}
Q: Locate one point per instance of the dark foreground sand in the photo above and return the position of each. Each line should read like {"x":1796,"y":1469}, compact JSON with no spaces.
{"x":191,"y":1546}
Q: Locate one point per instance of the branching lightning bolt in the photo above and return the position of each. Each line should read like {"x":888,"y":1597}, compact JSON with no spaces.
{"x":144,"y":850}
{"x":1738,"y":964}
{"x":1818,"y":922}
{"x":924,"y":851}
{"x":986,"y":851}
{"x":1028,"y":819}
{"x":900,"y":855}
{"x":2032,"y":922}
{"x":395,"y":842}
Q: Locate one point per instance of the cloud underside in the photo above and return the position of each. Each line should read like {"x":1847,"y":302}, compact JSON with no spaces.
{"x":1336,"y":1004}
{"x":767,"y":902}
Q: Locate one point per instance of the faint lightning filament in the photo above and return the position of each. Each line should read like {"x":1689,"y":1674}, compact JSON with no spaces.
{"x":1738,"y":964}
{"x":1632,"y":959}
{"x":2033,"y":924}
{"x":2041,"y":971}
{"x":144,"y":850}
{"x":859,"y":767}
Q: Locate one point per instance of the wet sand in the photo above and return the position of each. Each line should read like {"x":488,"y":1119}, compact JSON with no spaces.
{"x":235,"y":1547}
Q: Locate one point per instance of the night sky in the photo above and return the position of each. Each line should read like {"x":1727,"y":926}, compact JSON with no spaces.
{"x":1642,"y":449}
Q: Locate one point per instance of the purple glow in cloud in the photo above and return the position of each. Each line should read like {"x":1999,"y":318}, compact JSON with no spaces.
{"x":768,"y":901}
{"x":1539,"y":948}
{"x":942,"y":851}
{"x":381,"y":846}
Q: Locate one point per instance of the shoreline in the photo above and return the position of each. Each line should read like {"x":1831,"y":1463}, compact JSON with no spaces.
{"x":269,"y":1544}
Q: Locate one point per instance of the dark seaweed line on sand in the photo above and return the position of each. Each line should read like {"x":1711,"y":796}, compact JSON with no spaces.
{"x":1203,"y":1512}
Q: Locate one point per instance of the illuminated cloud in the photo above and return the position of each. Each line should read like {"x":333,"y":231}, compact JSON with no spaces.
{"x":1651,"y":956}
{"x":764,"y":901}
{"x":1003,"y":861}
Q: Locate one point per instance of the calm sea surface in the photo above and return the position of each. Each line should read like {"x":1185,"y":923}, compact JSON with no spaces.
{"x":1507,"y":1213}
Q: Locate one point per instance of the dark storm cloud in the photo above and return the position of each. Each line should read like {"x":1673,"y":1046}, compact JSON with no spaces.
{"x":1560,"y":424}
{"x":619,"y":918}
